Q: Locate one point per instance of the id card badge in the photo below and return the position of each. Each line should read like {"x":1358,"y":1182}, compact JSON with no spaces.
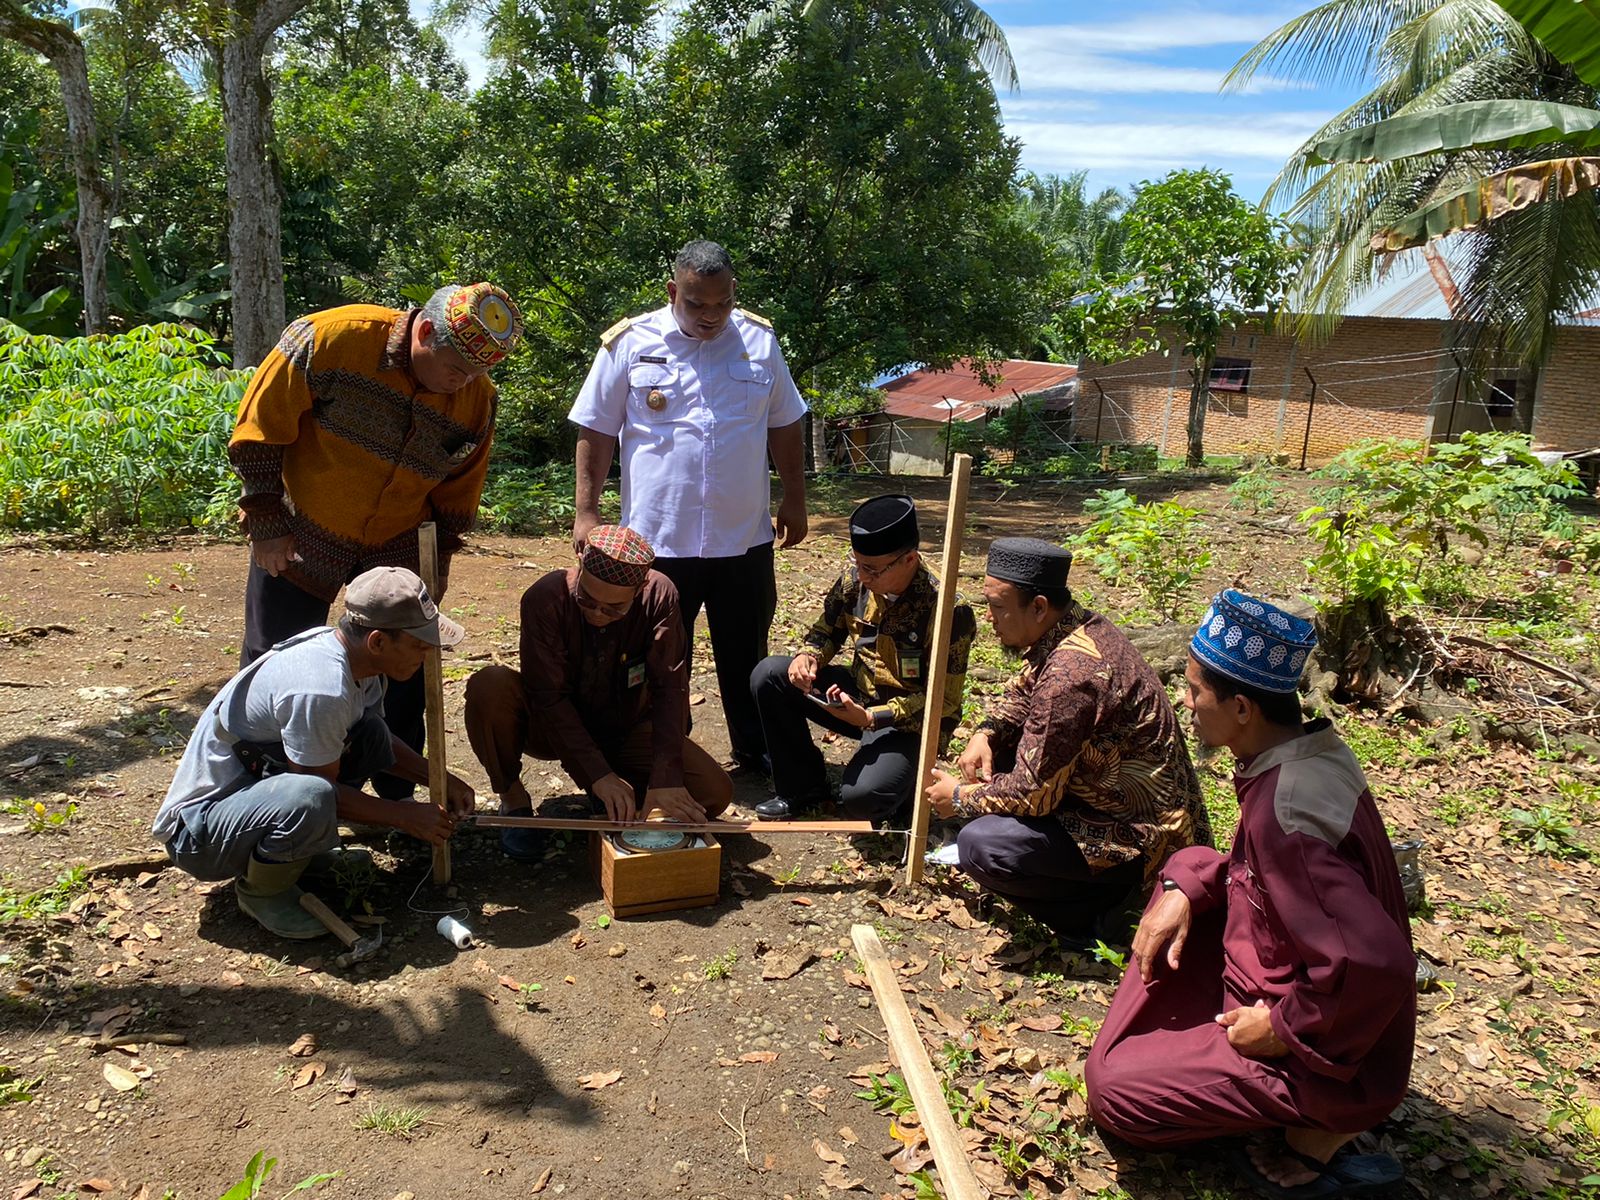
{"x":636,"y":675}
{"x":911,"y":666}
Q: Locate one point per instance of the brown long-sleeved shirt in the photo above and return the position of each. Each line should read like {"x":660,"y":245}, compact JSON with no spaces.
{"x":589,"y":685}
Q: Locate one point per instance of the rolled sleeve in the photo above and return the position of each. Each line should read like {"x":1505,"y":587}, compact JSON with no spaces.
{"x":602,"y":400}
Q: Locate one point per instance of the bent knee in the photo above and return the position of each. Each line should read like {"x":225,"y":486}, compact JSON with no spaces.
{"x":491,"y":685}
{"x":770,"y":671}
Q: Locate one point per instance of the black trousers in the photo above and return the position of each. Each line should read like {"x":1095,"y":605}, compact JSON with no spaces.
{"x":275,"y":609}
{"x":740,"y":596}
{"x":878,"y":780}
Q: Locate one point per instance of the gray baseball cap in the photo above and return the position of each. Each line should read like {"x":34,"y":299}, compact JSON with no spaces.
{"x":395,"y":598}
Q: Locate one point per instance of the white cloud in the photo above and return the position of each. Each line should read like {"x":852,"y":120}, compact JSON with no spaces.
{"x":1178,"y":28}
{"x":1264,"y":139}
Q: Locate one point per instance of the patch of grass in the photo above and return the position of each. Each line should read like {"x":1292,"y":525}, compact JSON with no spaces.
{"x":17,"y":1090}
{"x":38,"y":817}
{"x":721,"y":966}
{"x":1222,"y":803}
{"x":46,"y":902}
{"x":396,"y":1122}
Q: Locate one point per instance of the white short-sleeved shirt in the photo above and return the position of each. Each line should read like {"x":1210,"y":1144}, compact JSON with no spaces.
{"x":304,"y":696}
{"x":691,"y":420}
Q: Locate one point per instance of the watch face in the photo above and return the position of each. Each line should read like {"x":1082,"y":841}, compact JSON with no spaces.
{"x":648,"y":840}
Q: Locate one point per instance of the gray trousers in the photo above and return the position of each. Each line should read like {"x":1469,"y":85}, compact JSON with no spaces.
{"x":877,"y":781}
{"x":278,"y":818}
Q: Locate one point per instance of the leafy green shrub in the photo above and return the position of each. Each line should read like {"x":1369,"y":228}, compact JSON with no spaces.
{"x":1483,"y":483}
{"x":1544,"y":830}
{"x":1154,"y":547}
{"x":108,"y":431}
{"x":522,"y":499}
{"x":1362,"y":559}
{"x":1255,"y":489}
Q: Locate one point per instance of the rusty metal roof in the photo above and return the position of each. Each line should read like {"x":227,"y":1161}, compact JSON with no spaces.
{"x":924,"y":394}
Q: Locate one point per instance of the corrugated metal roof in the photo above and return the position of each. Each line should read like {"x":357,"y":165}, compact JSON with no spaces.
{"x":924,"y":394}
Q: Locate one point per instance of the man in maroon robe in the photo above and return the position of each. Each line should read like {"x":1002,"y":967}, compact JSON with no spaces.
{"x":1271,"y":988}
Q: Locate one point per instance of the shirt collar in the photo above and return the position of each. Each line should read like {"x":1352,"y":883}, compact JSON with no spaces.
{"x":397,"y":349}
{"x":1074,"y":616}
{"x":1319,"y":737}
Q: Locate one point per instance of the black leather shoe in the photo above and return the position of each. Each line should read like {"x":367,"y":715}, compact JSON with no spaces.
{"x":774,"y":809}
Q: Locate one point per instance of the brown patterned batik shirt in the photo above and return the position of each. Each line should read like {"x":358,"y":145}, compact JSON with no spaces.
{"x":1087,"y":734}
{"x":889,"y":643}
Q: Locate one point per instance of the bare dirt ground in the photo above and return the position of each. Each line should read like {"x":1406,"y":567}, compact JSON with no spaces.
{"x":658,"y":1057}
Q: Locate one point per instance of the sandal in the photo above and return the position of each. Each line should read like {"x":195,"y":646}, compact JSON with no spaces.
{"x":1345,"y":1174}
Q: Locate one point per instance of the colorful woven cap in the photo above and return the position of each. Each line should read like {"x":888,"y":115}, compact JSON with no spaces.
{"x":482,"y":323}
{"x":1253,"y":642}
{"x":616,"y":554}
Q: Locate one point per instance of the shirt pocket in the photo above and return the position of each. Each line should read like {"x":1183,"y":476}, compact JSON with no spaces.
{"x":749,"y":386}
{"x":655,"y":392}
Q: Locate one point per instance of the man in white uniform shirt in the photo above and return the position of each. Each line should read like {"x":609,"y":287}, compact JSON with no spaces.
{"x":698,"y":394}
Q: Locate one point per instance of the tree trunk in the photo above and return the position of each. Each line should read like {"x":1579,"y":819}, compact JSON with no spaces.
{"x":59,"y":44}
{"x":1199,"y":396}
{"x":255,"y":238}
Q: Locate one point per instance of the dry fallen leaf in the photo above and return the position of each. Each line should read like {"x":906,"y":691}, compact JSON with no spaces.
{"x":307,"y":1075}
{"x":152,"y":931}
{"x":848,"y":1135}
{"x":543,"y":1181}
{"x":599,"y":1079}
{"x":304,"y":1046}
{"x":657,"y":1013}
{"x":759,"y":1056}
{"x":835,"y":1178}
{"x":24,"y":1191}
{"x":817,"y":1097}
{"x":826,"y":1153}
{"x":786,"y":964}
{"x":96,"y":1185}
{"x":120,"y":1078}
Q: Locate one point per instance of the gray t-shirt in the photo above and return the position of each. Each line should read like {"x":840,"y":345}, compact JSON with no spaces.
{"x":304,"y":696}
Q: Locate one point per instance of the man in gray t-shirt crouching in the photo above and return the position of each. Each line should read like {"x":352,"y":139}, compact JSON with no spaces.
{"x":280,"y":755}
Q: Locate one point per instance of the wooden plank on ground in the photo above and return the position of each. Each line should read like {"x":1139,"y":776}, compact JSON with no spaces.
{"x":956,"y":1179}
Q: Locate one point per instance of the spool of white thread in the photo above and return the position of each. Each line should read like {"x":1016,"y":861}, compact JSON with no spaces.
{"x":454,"y":932}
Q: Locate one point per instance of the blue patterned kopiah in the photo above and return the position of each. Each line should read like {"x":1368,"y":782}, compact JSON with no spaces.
{"x":1253,"y":642}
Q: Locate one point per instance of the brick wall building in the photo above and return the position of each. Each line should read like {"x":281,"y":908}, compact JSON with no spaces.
{"x":1377,"y":376}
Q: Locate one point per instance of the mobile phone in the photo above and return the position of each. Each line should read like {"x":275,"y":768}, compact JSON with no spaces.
{"x":819,"y":698}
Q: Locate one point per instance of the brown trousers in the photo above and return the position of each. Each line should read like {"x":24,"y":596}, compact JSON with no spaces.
{"x":500,"y":731}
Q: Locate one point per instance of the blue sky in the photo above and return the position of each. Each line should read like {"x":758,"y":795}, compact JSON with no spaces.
{"x":1127,"y":89}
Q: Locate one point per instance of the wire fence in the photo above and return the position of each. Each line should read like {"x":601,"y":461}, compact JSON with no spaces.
{"x":1122,"y":422}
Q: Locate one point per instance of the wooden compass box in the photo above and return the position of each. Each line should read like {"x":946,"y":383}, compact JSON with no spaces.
{"x":636,"y":884}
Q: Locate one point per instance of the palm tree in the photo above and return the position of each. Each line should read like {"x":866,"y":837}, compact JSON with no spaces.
{"x":940,"y":23}
{"x":1084,"y":232}
{"x":1467,"y":101}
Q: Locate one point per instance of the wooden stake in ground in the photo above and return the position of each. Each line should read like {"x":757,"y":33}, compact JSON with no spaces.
{"x":433,"y":680}
{"x":956,"y":1179}
{"x":955,"y":523}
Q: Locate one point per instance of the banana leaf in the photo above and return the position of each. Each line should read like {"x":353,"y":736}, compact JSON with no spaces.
{"x":1491,"y":197}
{"x":1569,"y":29}
{"x":1472,"y":124}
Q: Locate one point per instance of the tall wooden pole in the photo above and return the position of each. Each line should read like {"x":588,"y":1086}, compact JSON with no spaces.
{"x":955,"y":523}
{"x":433,"y":680}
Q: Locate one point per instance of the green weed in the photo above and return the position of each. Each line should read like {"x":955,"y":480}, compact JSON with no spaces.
{"x":46,"y":902}
{"x":17,"y":1090}
{"x":255,"y":1178}
{"x":721,"y":966}
{"x":396,"y":1122}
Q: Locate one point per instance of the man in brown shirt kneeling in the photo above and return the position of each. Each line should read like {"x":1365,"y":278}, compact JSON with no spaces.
{"x":604,"y":690}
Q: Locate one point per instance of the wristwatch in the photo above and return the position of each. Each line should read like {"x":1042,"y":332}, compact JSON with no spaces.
{"x":1170,"y":885}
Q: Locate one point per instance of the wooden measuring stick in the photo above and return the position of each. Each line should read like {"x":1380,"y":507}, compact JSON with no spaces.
{"x":498,"y":822}
{"x":955,"y":523}
{"x":956,"y":1179}
{"x":433,"y":681}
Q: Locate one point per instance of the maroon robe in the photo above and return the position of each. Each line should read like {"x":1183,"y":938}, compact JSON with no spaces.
{"x":1305,"y":913}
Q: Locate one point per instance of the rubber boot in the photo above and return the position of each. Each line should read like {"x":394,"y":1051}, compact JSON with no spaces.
{"x":329,"y":863}
{"x":269,"y":893}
